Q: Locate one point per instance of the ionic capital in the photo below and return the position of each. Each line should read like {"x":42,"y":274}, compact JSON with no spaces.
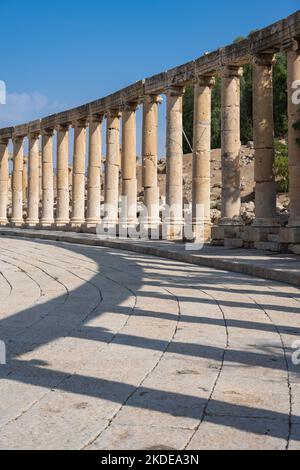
{"x":292,"y":44}
{"x":173,"y":90}
{"x":205,"y":81}
{"x":130,"y":106}
{"x":4,"y":141}
{"x":113,"y":114}
{"x":264,"y":60}
{"x":96,"y":118}
{"x":62,"y":127}
{"x":156,"y":99}
{"x":232,"y":71}
{"x":47,"y":132}
{"x":80,"y":123}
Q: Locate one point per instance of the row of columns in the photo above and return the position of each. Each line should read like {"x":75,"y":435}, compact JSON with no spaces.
{"x":265,"y":187}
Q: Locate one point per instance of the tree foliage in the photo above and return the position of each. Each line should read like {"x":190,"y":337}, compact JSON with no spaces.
{"x":280,"y":106}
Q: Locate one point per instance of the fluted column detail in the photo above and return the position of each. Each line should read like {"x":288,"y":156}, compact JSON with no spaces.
{"x":201,"y":158}
{"x":231,"y":145}
{"x":263,"y":134}
{"x":129,"y":181}
{"x":62,"y":177}
{"x":78,"y":181}
{"x":17,"y":187}
{"x":94,"y":171}
{"x":149,"y":154}
{"x":112,"y":167}
{"x":3,"y":181}
{"x":47,"y":179}
{"x":174,"y":158}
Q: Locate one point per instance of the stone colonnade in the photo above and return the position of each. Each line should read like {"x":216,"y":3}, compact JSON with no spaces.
{"x":82,"y":209}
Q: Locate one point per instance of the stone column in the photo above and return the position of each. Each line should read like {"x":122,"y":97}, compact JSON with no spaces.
{"x":94,"y":172}
{"x":149,"y":153}
{"x":129,"y":181}
{"x":33,"y":181}
{"x":293,"y":57}
{"x":17,"y":189}
{"x":263,"y":134}
{"x":3,"y":181}
{"x":62,"y":177}
{"x":201,"y":158}
{"x":231,"y":145}
{"x":47,"y":179}
{"x":174,"y":157}
{"x":112,"y":167}
{"x":25,"y":180}
{"x":78,"y":182}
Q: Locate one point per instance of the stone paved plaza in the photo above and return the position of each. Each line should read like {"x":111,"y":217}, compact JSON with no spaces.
{"x":114,"y":350}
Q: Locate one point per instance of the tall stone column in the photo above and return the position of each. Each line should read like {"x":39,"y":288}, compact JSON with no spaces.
{"x":47,"y":179}
{"x":293,"y":57}
{"x":263,"y":133}
{"x":231,"y":145}
{"x":17,"y":187}
{"x":94,"y":172}
{"x":201,"y":158}
{"x":78,"y":182}
{"x":149,"y":153}
{"x":174,"y":156}
{"x":25,"y":180}
{"x":3,"y":181}
{"x":112,"y":167}
{"x":33,"y":181}
{"x":129,"y":181}
{"x":62,"y":177}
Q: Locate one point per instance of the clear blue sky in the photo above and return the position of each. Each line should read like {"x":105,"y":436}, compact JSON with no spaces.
{"x":57,"y":54}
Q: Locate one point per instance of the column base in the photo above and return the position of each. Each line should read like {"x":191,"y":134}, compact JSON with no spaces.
{"x":61,"y":224}
{"x":3,"y":222}
{"x":46,"y":224}
{"x":14,"y":223}
{"x":30,"y":223}
{"x":173,"y":230}
{"x":76,"y":226}
{"x":290,"y":235}
{"x":202,"y":231}
{"x":228,"y":233}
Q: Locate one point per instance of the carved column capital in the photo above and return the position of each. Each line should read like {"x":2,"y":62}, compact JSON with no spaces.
{"x":232,"y":71}
{"x":264,"y":59}
{"x":48,"y":132}
{"x":205,"y":81}
{"x":130,"y":106}
{"x":113,"y":114}
{"x":292,"y":44}
{"x":96,"y":118}
{"x":153,"y":98}
{"x":173,"y":90}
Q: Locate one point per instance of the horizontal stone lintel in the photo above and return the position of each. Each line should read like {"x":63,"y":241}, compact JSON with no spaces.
{"x":271,"y":39}
{"x":6,"y":133}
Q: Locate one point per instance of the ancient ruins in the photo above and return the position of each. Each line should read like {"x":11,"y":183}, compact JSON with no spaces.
{"x":119,"y":109}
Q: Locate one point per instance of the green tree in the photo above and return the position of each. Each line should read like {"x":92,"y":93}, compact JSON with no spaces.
{"x":280,"y":106}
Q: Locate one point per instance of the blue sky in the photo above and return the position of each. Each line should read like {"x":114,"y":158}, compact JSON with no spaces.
{"x":59,"y":54}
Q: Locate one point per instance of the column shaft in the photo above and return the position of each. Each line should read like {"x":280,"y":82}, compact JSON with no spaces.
{"x":149,"y":154}
{"x":112,"y":168}
{"x":25,"y":181}
{"x":201,"y":158}
{"x":62,"y":177}
{"x":94,"y":171}
{"x":174,"y":157}
{"x":263,"y":133}
{"x":47,"y":179}
{"x":33,"y":181}
{"x":129,"y":181}
{"x":294,"y":135}
{"x":17,"y":189}
{"x":3,"y":182}
{"x":78,"y":182}
{"x":231,"y":144}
